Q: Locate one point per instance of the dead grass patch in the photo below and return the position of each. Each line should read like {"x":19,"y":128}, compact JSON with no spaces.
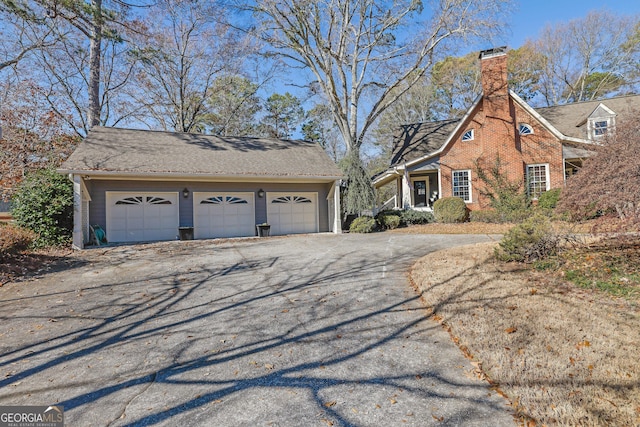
{"x":461,"y":228}
{"x":562,"y":354}
{"x":484,"y":228}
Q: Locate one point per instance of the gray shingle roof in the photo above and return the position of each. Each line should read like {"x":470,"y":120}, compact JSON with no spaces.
{"x":142,"y":151}
{"x":420,"y":139}
{"x":570,"y":119}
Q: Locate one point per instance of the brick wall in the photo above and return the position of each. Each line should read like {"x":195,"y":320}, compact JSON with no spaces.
{"x":495,"y":122}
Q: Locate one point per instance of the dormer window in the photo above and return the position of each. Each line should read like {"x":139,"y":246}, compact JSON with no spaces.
{"x":600,"y":128}
{"x":468,"y":135}
{"x":525,"y":129}
{"x":601,"y":122}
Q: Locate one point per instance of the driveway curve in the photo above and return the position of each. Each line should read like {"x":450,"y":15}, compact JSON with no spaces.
{"x":309,"y":330}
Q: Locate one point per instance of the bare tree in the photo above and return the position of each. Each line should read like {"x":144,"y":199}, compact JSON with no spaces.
{"x":361,"y":53}
{"x":587,"y":58}
{"x":449,"y":89}
{"x":66,"y":82}
{"x":18,"y":40}
{"x":80,"y":29}
{"x":320,"y":129}
{"x":180,"y":60}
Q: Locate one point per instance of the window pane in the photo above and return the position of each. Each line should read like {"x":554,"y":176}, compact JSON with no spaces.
{"x":525,"y":129}
{"x":537,"y":178}
{"x":462,"y":185}
{"x":600,"y":128}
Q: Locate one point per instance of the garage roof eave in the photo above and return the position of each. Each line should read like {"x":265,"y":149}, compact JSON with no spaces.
{"x":172,"y":176}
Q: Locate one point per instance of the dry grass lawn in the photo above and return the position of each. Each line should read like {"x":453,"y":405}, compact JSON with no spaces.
{"x":463,"y":228}
{"x":563,"y":355}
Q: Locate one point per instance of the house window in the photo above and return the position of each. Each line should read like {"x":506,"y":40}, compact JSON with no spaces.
{"x":468,"y":135}
{"x":537,"y":179}
{"x":525,"y":129}
{"x":600,"y":127}
{"x":462,"y":185}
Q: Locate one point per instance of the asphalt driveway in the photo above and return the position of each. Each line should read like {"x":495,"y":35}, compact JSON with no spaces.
{"x":313,"y":330}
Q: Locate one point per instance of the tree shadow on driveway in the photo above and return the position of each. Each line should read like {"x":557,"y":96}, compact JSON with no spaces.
{"x":255,"y":334}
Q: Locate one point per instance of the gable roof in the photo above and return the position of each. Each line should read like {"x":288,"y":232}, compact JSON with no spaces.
{"x":142,"y":152}
{"x":571,"y":119}
{"x":419,"y":141}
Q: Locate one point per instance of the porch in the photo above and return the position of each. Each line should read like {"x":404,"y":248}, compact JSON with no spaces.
{"x":409,"y":190}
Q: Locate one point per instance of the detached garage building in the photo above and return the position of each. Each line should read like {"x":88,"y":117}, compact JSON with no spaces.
{"x":142,"y":186}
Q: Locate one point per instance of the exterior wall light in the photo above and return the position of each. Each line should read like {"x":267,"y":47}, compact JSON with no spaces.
{"x":185,"y":193}
{"x":261,"y":193}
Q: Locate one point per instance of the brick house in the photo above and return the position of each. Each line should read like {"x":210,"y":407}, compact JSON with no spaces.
{"x":539,"y":147}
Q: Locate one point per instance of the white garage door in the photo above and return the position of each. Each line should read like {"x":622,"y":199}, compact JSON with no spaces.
{"x":291,"y":213}
{"x":223,"y":215}
{"x":141,"y":217}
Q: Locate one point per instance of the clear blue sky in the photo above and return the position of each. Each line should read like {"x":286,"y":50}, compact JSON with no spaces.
{"x":531,"y":16}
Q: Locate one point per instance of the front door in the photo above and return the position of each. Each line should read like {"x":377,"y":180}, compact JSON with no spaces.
{"x":419,"y":193}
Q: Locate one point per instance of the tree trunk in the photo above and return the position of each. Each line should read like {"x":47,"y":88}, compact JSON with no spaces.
{"x":95,"y":54}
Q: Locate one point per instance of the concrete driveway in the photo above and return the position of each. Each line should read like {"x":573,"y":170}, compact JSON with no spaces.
{"x":312,"y":330}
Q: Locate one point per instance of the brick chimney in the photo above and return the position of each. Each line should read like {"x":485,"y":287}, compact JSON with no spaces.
{"x":493,"y":68}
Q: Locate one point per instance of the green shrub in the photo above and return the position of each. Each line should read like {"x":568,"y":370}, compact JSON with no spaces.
{"x":489,"y":216}
{"x":411,"y":217}
{"x":363,"y":224}
{"x":43,"y":203}
{"x":508,"y":198}
{"x":549,"y":199}
{"x":14,"y":240}
{"x":532,"y":240}
{"x":388,"y":220}
{"x":450,"y":210}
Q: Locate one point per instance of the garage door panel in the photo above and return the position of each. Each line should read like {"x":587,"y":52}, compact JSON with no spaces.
{"x":223,"y":214}
{"x":292,"y":213}
{"x":135,"y":217}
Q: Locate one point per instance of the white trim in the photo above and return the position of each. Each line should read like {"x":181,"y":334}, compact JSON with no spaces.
{"x":201,"y":177}
{"x":337,"y":222}
{"x":427,"y":190}
{"x":517,"y":99}
{"x":547,"y":177}
{"x":333,"y":201}
{"x":526,"y":126}
{"x":457,"y":129}
{"x":77,"y":235}
{"x":463,"y":122}
{"x":591,"y":126}
{"x":591,"y":116}
{"x":544,"y":121}
{"x":604,"y":107}
{"x":439,"y":182}
{"x":470,"y":184}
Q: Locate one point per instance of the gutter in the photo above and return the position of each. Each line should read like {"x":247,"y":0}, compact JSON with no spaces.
{"x":169,"y":176}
